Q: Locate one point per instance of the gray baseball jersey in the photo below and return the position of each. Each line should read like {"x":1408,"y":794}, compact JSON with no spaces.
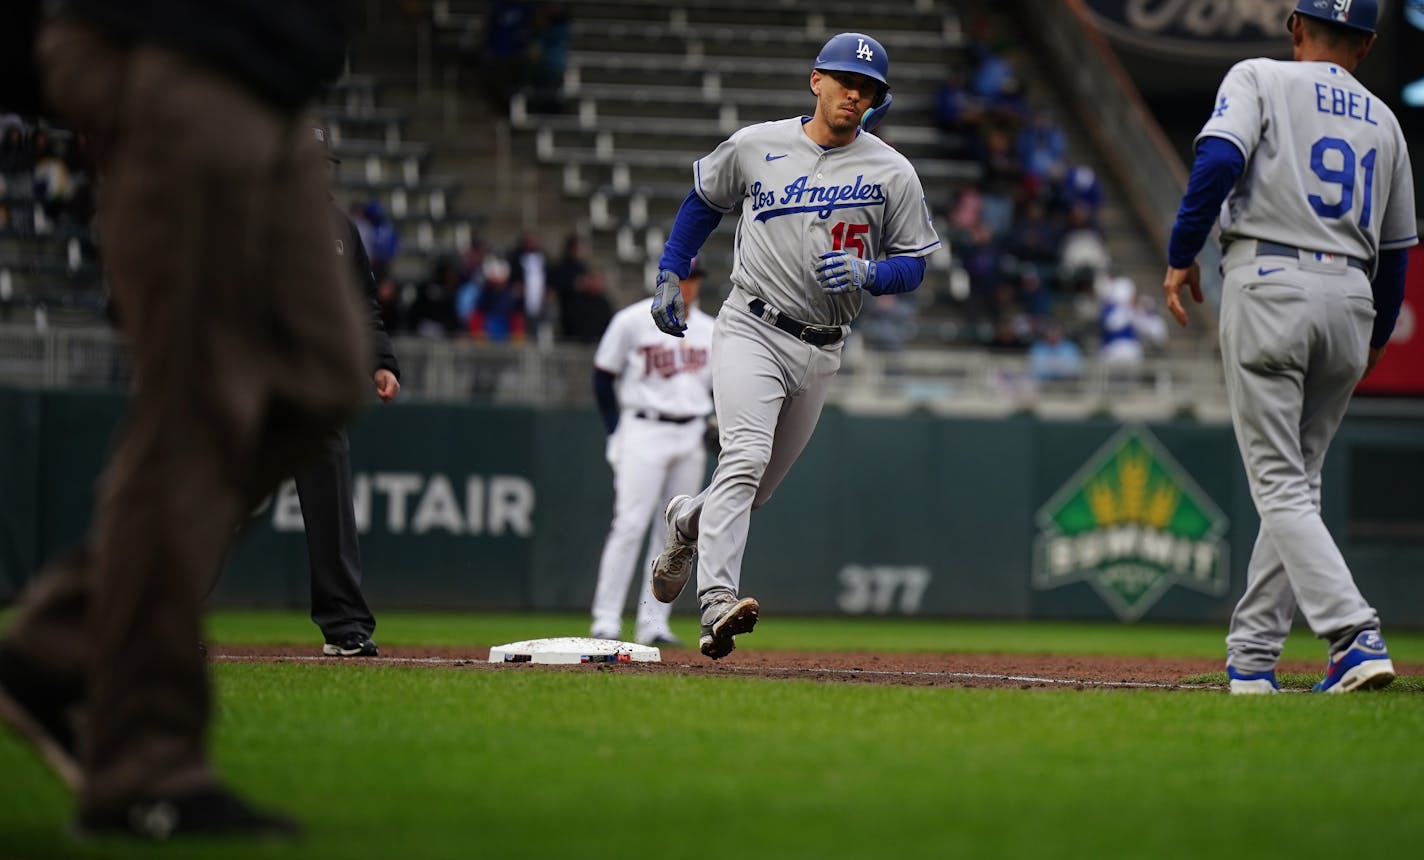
{"x":1313,"y":134}
{"x":799,"y":201}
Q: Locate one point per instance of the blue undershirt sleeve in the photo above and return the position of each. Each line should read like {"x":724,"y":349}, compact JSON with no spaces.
{"x":1388,"y":288}
{"x":695,"y":221}
{"x":1217,"y":166}
{"x":606,"y":398}
{"x":897,"y":275}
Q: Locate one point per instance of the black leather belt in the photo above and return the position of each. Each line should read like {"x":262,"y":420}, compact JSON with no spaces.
{"x":816,"y":335}
{"x":1276,"y":249}
{"x":666,"y":419}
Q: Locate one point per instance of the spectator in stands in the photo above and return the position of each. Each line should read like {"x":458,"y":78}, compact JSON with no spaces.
{"x":1083,"y":258}
{"x":1080,"y":189}
{"x":389,"y":299}
{"x":548,"y":56}
{"x":385,"y":242}
{"x":1034,"y":241}
{"x":1042,"y":146}
{"x":7,"y":295}
{"x":1012,"y":327}
{"x":499,"y":314}
{"x":979,"y":256}
{"x":958,"y":113}
{"x":432,"y":314}
{"x":53,"y":188}
{"x":1053,"y":357}
{"x":1002,"y":182}
{"x":528,"y":278}
{"x":506,"y":40}
{"x":587,"y":311}
{"x":1149,"y":322}
{"x":1119,"y":343}
{"x":16,"y":155}
{"x":564,"y":275}
{"x":467,"y":295}
{"x":887,"y":322}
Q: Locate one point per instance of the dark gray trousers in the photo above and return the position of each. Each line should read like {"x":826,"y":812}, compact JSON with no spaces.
{"x":333,"y":548}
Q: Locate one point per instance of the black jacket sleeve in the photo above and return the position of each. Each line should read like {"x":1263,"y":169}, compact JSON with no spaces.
{"x":361,"y":270}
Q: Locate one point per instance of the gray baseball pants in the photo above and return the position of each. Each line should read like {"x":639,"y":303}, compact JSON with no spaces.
{"x":1294,"y":343}
{"x":769,"y":388}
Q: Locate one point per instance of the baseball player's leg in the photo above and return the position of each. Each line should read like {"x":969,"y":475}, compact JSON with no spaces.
{"x":798,"y":421}
{"x":333,"y":549}
{"x":1266,"y":349}
{"x":637,"y":501}
{"x":770,"y":389}
{"x":1261,"y":621}
{"x":683,"y":477}
{"x":1336,"y":608}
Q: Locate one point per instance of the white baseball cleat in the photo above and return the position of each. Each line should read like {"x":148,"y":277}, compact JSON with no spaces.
{"x":673,"y":566}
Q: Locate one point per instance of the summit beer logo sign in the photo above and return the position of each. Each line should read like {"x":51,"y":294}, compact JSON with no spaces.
{"x":1132,"y":523}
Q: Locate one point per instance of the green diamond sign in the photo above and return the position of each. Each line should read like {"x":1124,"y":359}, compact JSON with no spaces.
{"x":1132,"y":523}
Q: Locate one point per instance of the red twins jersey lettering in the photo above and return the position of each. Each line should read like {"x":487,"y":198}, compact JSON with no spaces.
{"x":669,"y":376}
{"x":666,"y":361}
{"x":1327,"y":167}
{"x":799,"y":201}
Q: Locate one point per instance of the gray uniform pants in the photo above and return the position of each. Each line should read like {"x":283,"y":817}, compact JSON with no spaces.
{"x":1294,"y":343}
{"x":769,"y":388}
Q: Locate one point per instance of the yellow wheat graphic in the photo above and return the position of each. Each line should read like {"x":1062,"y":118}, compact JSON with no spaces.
{"x":1162,"y":507}
{"x":1132,"y":471}
{"x":1134,"y":497}
{"x":1103,"y":502}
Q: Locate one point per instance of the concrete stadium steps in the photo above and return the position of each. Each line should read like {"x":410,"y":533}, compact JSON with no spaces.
{"x":919,"y":15}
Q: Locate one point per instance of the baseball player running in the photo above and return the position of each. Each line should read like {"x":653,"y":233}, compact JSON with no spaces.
{"x":1319,"y":209}
{"x":828,"y":213}
{"x":655,"y":395}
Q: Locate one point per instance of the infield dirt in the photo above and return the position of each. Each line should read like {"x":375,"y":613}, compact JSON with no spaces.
{"x":1020,"y":671}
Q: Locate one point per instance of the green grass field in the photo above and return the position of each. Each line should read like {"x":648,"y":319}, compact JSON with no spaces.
{"x":387,"y":761}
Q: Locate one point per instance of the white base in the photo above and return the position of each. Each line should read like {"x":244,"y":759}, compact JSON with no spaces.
{"x":574,"y":649}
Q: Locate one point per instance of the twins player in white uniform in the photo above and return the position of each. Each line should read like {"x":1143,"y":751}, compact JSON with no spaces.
{"x":655,"y":394}
{"x":1319,"y":209}
{"x":828,"y":212}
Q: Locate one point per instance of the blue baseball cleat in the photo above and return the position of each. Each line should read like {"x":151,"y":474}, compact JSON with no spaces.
{"x":1365,"y":665}
{"x":1252,"y":683}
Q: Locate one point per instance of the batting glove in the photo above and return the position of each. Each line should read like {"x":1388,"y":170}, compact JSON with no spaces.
{"x":838,"y":272}
{"x":669,"y":310}
{"x":873,"y":117}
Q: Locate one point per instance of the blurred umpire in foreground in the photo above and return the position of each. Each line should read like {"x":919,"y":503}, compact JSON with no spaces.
{"x":247,"y":347}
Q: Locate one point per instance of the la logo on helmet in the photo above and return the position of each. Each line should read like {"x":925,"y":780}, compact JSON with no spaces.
{"x":863,"y":51}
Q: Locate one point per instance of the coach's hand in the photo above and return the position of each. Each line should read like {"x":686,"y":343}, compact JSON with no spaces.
{"x":1172,"y":285}
{"x":838,"y":272}
{"x":669,"y":310}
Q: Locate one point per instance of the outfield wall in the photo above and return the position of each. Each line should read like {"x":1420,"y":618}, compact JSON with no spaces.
{"x":483,"y":507}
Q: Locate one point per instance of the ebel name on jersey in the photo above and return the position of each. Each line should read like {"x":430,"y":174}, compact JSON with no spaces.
{"x":801,"y":196}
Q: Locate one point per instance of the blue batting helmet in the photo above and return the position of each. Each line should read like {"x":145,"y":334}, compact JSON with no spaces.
{"x":1355,"y":14}
{"x":859,"y":53}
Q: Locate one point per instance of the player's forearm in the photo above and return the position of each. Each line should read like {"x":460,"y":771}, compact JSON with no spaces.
{"x":606,"y":398}
{"x":1217,"y":166}
{"x":897,"y":275}
{"x":1388,"y":288}
{"x":695,"y":222}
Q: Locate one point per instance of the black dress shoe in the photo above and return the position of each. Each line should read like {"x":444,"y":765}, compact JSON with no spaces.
{"x":208,"y":812}
{"x":38,"y":708}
